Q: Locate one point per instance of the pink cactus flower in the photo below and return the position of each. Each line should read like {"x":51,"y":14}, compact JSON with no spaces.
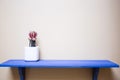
{"x":32,"y":38}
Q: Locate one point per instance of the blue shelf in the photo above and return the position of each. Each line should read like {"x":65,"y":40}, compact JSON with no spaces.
{"x":94,"y":64}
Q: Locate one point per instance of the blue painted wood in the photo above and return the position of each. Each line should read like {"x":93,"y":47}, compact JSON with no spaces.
{"x":94,"y":64}
{"x":95,"y":73}
{"x":21,"y":73}
{"x":61,"y":64}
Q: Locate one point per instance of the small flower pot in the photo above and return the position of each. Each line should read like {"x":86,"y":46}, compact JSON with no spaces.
{"x":31,"y":53}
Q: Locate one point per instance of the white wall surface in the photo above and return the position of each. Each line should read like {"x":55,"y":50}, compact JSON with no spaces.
{"x":67,"y":29}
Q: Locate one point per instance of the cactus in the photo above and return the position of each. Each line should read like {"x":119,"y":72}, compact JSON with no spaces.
{"x":32,"y":38}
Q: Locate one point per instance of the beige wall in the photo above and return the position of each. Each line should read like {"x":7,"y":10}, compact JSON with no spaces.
{"x":67,"y":29}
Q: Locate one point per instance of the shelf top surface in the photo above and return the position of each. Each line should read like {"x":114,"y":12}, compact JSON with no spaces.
{"x":60,"y":64}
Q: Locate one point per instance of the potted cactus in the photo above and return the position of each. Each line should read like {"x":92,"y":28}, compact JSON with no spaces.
{"x":32,"y":52}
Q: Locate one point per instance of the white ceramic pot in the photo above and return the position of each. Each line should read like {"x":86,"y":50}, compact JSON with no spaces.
{"x":31,"y":53}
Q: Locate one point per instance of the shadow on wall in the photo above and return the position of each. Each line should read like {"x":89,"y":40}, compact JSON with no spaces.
{"x":53,"y":74}
{"x":14,"y":74}
{"x":106,"y":74}
{"x":61,"y":74}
